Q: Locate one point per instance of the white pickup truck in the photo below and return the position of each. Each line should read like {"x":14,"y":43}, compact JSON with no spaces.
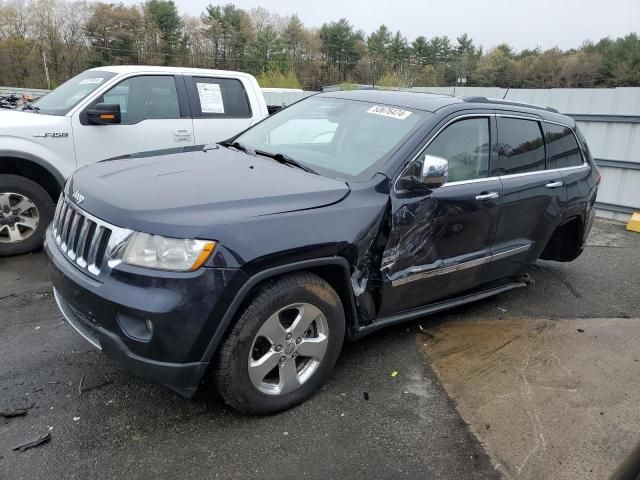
{"x":107,"y":112}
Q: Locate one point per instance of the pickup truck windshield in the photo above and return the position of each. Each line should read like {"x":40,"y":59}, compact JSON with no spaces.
{"x":344,"y":136}
{"x":71,"y":92}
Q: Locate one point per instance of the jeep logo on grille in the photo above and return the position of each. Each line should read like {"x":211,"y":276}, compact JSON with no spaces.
{"x":78,"y":197}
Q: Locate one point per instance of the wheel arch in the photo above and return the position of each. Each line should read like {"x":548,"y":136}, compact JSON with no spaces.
{"x":334,"y":270}
{"x":33,"y":168}
{"x":566,"y":241}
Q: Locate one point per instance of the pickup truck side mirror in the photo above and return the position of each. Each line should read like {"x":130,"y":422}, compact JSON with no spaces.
{"x":104,"y":114}
{"x":435,"y":171}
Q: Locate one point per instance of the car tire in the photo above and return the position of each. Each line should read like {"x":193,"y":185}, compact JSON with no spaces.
{"x":26,"y":209}
{"x":311,"y":316}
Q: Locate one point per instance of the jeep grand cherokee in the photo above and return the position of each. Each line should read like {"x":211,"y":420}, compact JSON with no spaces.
{"x":250,"y":261}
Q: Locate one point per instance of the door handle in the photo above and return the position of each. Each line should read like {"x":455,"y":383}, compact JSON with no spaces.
{"x":554,"y":184}
{"x":182,"y":132}
{"x":487,"y":196}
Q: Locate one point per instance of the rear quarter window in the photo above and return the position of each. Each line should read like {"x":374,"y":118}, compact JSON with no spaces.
{"x":219,"y":98}
{"x":562,"y":147}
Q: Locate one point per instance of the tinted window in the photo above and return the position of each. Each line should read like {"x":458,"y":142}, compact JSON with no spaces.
{"x":220,"y":97}
{"x":521,"y":146}
{"x":562,"y":147}
{"x":145,"y":97}
{"x":465,"y":144}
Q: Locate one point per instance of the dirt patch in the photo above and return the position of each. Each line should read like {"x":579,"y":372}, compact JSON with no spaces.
{"x":548,"y":398}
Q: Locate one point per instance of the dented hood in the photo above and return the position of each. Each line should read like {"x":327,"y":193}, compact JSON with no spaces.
{"x":192,"y":189}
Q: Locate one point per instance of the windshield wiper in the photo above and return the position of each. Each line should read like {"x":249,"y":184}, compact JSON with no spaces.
{"x":33,"y":108}
{"x":238,"y":146}
{"x":286,"y":160}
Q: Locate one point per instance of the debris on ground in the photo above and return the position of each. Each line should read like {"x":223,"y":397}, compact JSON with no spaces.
{"x":580,"y":330}
{"x":425,"y":332}
{"x":393,"y":374}
{"x":97,"y":385}
{"x":14,"y":412}
{"x":33,"y":443}
{"x":366,"y":396}
{"x":81,"y":383}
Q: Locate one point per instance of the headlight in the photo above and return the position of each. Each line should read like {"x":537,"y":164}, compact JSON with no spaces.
{"x":162,"y":253}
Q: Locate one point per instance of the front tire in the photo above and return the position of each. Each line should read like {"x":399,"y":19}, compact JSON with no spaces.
{"x":26,"y":209}
{"x":283,"y":346}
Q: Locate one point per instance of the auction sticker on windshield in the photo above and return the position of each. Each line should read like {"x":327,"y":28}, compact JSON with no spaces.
{"x":91,"y":81}
{"x":387,"y":111}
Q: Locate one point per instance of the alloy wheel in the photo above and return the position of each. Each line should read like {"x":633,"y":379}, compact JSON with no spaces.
{"x":288,"y":349}
{"x":19,"y":217}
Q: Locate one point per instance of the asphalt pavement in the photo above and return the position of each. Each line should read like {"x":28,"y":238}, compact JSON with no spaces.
{"x":365,"y":423}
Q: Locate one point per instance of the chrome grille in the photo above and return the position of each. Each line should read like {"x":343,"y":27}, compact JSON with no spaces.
{"x":88,"y":241}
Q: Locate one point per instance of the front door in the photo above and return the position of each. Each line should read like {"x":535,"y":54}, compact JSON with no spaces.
{"x":441,"y":240}
{"x":152,"y":119}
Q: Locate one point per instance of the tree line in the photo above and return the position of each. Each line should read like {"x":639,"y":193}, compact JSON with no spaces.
{"x":44,"y":42}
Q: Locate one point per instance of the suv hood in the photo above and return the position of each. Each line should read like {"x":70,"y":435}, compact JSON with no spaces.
{"x":186,"y":192}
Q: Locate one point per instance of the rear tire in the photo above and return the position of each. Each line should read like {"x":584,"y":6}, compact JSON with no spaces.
{"x":283,"y":346}
{"x":26,"y":210}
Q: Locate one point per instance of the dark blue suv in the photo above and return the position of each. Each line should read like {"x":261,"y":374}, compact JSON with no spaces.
{"x":251,"y":261}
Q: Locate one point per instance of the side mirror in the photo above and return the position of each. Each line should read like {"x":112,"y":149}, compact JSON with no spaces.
{"x":104,"y":114}
{"x":435,"y":171}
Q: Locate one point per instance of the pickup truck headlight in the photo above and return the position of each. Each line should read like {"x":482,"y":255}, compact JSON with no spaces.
{"x":162,"y":253}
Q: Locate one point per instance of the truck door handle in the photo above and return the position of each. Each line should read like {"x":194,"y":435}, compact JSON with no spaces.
{"x":183,"y":132}
{"x":487,"y":196}
{"x":554,"y":184}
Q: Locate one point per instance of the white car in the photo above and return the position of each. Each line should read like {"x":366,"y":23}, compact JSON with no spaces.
{"x":107,"y":112}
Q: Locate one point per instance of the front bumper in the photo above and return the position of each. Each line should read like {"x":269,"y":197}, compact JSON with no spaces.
{"x":182,"y":309}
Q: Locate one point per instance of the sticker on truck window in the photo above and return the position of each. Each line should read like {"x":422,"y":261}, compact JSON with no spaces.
{"x":392,"y":112}
{"x":91,"y":81}
{"x":210,"y":98}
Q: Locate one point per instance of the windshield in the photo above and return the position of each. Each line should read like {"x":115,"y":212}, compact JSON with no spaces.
{"x":71,"y":92}
{"x":344,"y":136}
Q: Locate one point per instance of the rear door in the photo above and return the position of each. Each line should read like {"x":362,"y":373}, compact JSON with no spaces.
{"x":440,"y":240}
{"x":533,"y":197}
{"x":154,"y":115}
{"x":220,"y":108}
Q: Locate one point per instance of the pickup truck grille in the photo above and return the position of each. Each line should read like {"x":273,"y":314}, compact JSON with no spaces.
{"x":82,"y":237}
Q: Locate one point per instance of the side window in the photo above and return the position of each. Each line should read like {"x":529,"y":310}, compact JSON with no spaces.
{"x":466,"y":145}
{"x":520,"y":145}
{"x":220,"y":97}
{"x":145,"y":97}
{"x":562,"y":147}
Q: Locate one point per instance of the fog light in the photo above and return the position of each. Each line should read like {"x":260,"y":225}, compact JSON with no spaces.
{"x":134,"y":327}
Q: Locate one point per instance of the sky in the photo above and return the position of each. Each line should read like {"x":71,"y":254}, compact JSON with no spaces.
{"x":521,"y":23}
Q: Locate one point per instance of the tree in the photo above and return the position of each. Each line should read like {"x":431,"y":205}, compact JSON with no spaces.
{"x":496,"y":69}
{"x":464,"y":58}
{"x":111,"y":31}
{"x":398,"y":50}
{"x":293,"y":38}
{"x":230,"y":30}
{"x":421,"y":51}
{"x":342,"y":46}
{"x":165,"y":26}
{"x":266,"y":51}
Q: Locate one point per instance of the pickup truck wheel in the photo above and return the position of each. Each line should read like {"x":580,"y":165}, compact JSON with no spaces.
{"x":26,"y":210}
{"x":283,"y":346}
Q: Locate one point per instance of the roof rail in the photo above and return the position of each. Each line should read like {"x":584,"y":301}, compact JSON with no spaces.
{"x":509,"y":102}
